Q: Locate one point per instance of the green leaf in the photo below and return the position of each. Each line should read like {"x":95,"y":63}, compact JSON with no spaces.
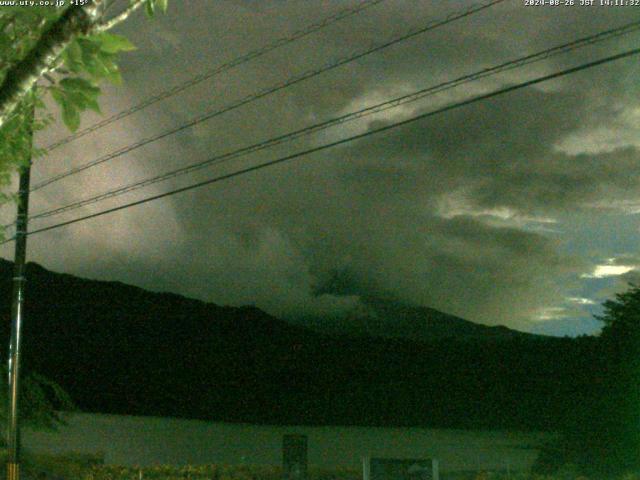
{"x":78,"y":84}
{"x":70,"y":116}
{"x":78,"y":100}
{"x":57,"y":95}
{"x":70,"y":113}
{"x":80,"y":92}
{"x":72,"y":57}
{"x":109,"y":67}
{"x":92,"y":104}
{"x":5,"y":43}
{"x":97,"y":63}
{"x":111,"y":43}
{"x":162,"y":5}
{"x":95,"y":67}
{"x":90,"y":51}
{"x":114,"y":77}
{"x":150,"y":7}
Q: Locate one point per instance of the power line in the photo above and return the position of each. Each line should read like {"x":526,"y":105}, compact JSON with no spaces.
{"x":281,"y":42}
{"x":326,"y":146}
{"x":380,"y":107}
{"x":270,"y":90}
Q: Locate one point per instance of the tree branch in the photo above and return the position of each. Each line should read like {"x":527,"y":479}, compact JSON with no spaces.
{"x":21,"y":78}
{"x":121,"y":17}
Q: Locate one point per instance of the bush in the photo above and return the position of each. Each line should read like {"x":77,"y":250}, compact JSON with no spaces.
{"x":210,"y":472}
{"x":68,"y":466}
{"x":78,"y":466}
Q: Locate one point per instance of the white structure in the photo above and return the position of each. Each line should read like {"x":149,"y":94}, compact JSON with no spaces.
{"x":143,"y":441}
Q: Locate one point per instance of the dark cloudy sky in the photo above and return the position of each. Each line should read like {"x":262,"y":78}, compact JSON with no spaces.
{"x":521,"y":210}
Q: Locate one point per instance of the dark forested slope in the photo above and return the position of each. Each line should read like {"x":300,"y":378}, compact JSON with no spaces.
{"x":120,"y":349}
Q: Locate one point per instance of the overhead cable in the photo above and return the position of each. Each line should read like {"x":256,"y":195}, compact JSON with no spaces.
{"x":281,"y":42}
{"x":380,"y":107}
{"x":343,"y":141}
{"x":268,"y":91}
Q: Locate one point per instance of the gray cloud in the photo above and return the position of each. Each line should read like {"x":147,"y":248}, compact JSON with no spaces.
{"x":454,"y":212}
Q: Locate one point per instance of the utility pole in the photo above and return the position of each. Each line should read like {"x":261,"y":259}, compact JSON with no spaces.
{"x":17,"y":311}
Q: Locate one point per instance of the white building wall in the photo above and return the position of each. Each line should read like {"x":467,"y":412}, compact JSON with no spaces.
{"x":144,"y":441}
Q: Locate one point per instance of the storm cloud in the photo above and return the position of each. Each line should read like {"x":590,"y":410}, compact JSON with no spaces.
{"x":465,"y":212}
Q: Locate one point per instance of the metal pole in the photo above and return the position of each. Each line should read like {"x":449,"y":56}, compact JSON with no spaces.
{"x":17,"y":311}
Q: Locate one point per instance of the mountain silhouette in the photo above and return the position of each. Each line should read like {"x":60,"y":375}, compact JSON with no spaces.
{"x":392,"y":319}
{"x":121,"y":349}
